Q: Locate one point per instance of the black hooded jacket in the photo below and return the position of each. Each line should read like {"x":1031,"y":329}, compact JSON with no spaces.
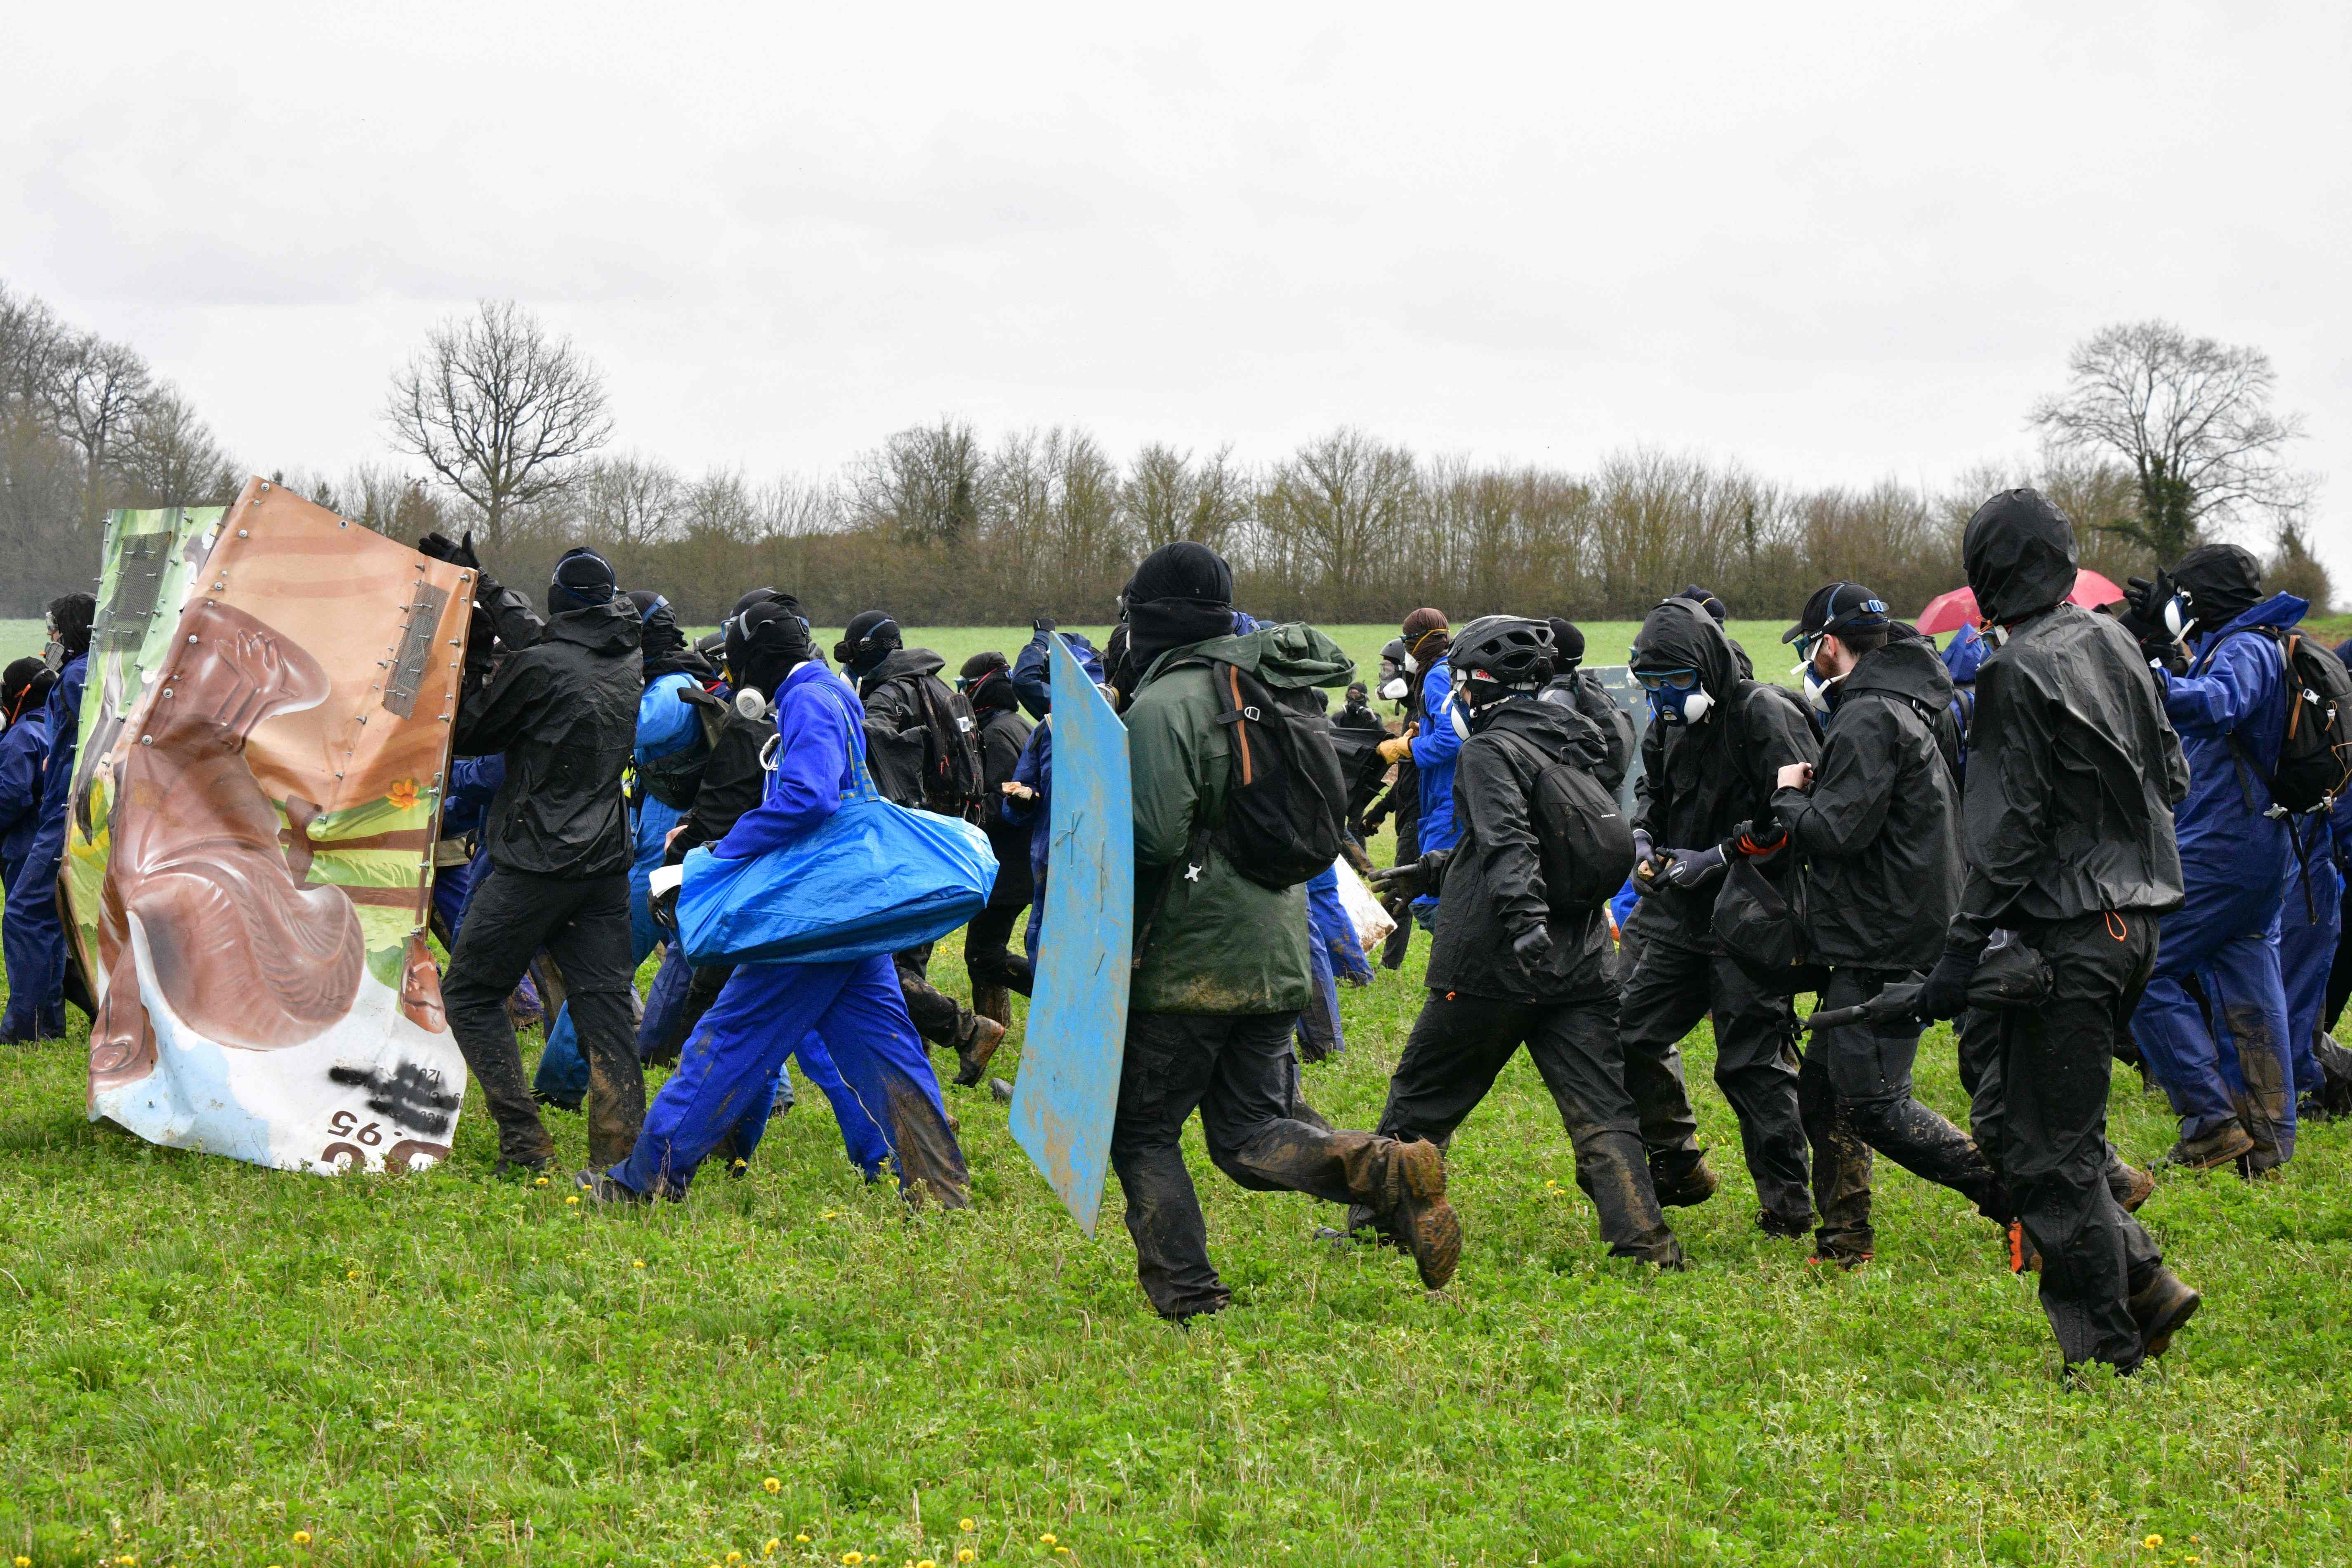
{"x":1700,"y":782}
{"x":1493,"y":890}
{"x":897,"y":735}
{"x":1880,"y":830}
{"x":565,"y":712}
{"x":2073,"y":767}
{"x":1581,"y":689}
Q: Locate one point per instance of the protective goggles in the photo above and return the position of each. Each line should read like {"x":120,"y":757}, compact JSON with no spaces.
{"x":1667,"y":679}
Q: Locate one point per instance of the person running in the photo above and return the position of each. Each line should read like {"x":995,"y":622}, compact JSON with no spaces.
{"x":994,"y":970}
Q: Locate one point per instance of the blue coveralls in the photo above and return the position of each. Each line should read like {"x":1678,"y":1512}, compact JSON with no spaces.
{"x":2233,"y":858}
{"x":1434,"y":751}
{"x":24,"y":746}
{"x":1332,"y":952}
{"x":855,"y":1009}
{"x":32,"y":932}
{"x":2311,"y":921}
{"x":665,"y":725}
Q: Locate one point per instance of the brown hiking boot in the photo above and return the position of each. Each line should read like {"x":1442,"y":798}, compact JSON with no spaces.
{"x":1423,"y":1219}
{"x":1683,"y":1181}
{"x":993,"y":1002}
{"x":2160,"y":1309}
{"x":2131,"y":1186}
{"x":987,"y":1034}
{"x":2219,"y":1147}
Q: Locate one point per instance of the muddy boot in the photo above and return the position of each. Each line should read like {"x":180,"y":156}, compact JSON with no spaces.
{"x":2219,"y":1147}
{"x":1784,"y":1228}
{"x":979,"y":1044}
{"x":993,"y":1002}
{"x":1682,"y":1178}
{"x":1423,"y":1220}
{"x":2130,"y":1186}
{"x":2160,"y":1309}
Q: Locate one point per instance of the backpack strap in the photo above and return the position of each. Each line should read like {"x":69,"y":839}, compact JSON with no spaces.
{"x":1196,"y":843}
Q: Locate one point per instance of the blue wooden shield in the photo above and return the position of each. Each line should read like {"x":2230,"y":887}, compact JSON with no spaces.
{"x":1068,"y":1088}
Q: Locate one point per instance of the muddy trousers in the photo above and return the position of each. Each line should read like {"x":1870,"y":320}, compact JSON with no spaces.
{"x":938,"y":1016}
{"x":584,"y":926}
{"x":1459,"y":1044}
{"x":2228,"y":1059}
{"x":1237,"y":1072}
{"x":732,"y":1056}
{"x":1854,"y":1091}
{"x":2309,"y":931}
{"x":1671,"y":989}
{"x":2053,"y":1061}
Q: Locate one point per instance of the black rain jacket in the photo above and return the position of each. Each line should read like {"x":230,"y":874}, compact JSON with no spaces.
{"x":1493,"y":888}
{"x":565,"y":712}
{"x":2074,"y":769}
{"x":897,"y":735}
{"x":1581,"y":689}
{"x":1880,"y":830}
{"x":1004,"y":734}
{"x":733,"y":782}
{"x":1700,"y":782}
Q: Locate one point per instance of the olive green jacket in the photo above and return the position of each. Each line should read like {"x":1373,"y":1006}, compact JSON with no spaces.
{"x":1219,"y":944}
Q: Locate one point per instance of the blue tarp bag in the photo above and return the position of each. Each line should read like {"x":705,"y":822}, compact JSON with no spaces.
{"x":876,"y":878}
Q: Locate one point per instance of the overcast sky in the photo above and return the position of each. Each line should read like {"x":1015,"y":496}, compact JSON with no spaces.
{"x":1836,"y":243}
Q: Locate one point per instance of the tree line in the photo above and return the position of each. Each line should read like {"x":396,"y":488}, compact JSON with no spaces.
{"x":2159,"y":440}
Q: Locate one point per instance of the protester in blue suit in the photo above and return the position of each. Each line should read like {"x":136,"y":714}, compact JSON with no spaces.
{"x":856,"y":1009}
{"x":2233,"y":1090}
{"x":2311,"y":924}
{"x":1430,"y":743}
{"x":1029,"y":803}
{"x":24,"y":747}
{"x":1333,"y":954}
{"x":31,"y":931}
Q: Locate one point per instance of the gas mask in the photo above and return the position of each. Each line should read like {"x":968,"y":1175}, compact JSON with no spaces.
{"x":753,"y":704}
{"x":1394,"y":689}
{"x":1822,"y":691}
{"x":53,"y":653}
{"x":2179,"y":618}
{"x":1675,"y":696}
{"x":1412,"y":664}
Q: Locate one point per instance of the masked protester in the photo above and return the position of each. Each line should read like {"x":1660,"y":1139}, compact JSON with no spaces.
{"x":1514,"y":960}
{"x":1578,"y":688}
{"x":910,"y":717}
{"x":855,"y":1009}
{"x":1876,"y":825}
{"x":1221,"y":963}
{"x":1026,"y":798}
{"x":562,"y":706}
{"x":2233,"y":1090}
{"x":1356,"y":713}
{"x":672,"y":748}
{"x":24,"y":746}
{"x":1428,"y":742}
{"x":986,"y":681}
{"x":2069,"y":842}
{"x":1711,"y":759}
{"x":31,"y":931}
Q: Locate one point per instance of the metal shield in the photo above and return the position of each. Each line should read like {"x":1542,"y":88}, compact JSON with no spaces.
{"x":1067,"y":1093}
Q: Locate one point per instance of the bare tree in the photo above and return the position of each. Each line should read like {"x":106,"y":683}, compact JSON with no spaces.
{"x":502,"y":411}
{"x":167,"y":457}
{"x":32,"y":342}
{"x":1167,"y":496}
{"x":2193,"y":419}
{"x":94,"y":389}
{"x":1338,"y":508}
{"x":629,"y":500}
{"x":923,"y":485}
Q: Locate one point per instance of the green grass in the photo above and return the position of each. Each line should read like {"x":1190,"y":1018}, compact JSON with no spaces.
{"x":205,"y":1357}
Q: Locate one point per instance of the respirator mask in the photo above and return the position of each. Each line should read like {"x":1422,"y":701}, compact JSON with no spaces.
{"x":53,"y":653}
{"x":2179,"y":618}
{"x":1675,"y":696}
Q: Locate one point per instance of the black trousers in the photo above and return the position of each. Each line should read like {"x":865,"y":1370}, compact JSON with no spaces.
{"x":1853,"y":1091}
{"x":1459,"y":1044}
{"x":584,"y":927}
{"x":1239,"y":1073}
{"x":938,"y":1016}
{"x":2051,"y":1143}
{"x":1978,"y":1058}
{"x":988,"y":955}
{"x":1672,"y":988}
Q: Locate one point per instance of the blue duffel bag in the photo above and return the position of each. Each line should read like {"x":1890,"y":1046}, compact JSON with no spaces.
{"x":876,"y":878}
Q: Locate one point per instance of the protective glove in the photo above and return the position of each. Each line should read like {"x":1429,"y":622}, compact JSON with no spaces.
{"x":459,"y":553}
{"x":1945,"y":993}
{"x":1414,"y":879}
{"x":1692,"y":868}
{"x":1646,"y":865}
{"x":1531,"y":946}
{"x":1395,"y":748}
{"x":2147,"y":599}
{"x":2144,"y":617}
{"x":1750,"y":839}
{"x":1042,"y":623}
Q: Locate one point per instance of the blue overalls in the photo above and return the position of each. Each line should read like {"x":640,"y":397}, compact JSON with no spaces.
{"x":2228,"y":1060}
{"x":856,"y":1010}
{"x":1434,"y":753}
{"x":31,"y":931}
{"x":24,"y":747}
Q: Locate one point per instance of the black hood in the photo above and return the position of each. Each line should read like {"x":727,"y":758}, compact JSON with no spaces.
{"x":2224,"y":582}
{"x":1907,"y":666}
{"x":1555,"y":729}
{"x":2021,"y":557}
{"x":1679,"y":635}
{"x":897,"y":662}
{"x":611,"y":627}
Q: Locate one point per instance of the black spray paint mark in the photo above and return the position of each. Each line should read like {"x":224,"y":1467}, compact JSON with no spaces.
{"x":412,"y":1096}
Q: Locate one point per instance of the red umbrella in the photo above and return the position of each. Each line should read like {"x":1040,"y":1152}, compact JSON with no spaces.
{"x":1950,"y":611}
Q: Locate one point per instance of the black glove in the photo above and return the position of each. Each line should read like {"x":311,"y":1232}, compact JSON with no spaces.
{"x":1946,"y":994}
{"x":1750,"y":839}
{"x":2147,"y":599}
{"x":1414,"y":878}
{"x":439,"y":547}
{"x":2144,"y":618}
{"x":1042,"y":623}
{"x":1531,"y":946}
{"x":1693,"y":868}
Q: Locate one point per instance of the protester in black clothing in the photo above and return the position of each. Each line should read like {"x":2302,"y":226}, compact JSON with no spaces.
{"x":1581,"y":689}
{"x":2072,"y":774}
{"x":562,"y":706}
{"x":996,"y":970}
{"x":1716,"y":744}
{"x":1876,"y":826}
{"x":1356,"y":713}
{"x":904,"y":752}
{"x":1513,"y":961}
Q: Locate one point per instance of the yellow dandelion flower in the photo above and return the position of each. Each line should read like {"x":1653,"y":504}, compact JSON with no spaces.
{"x":966,"y":1555}
{"x":23,"y":1563}
{"x":773,"y":1485}
{"x":2151,"y":1544}
{"x":800,"y":1540}
{"x":351,"y":1274}
{"x":733,"y":1558}
{"x":636,"y":1263}
{"x":852,"y":1558}
{"x":768,"y":1547}
{"x":572,"y":1199}
{"x":966,"y":1526}
{"x":540,"y":1183}
{"x":301,"y":1537}
{"x":927,"y":1563}
{"x":1047,"y":1538}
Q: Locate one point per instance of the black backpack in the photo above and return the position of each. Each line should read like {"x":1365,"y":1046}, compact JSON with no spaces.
{"x":1286,"y":799}
{"x":954,"y":783}
{"x":1583,"y":839}
{"x":2314,"y":760}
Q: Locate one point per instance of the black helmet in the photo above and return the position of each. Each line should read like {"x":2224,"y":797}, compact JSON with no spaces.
{"x":1509,"y":651}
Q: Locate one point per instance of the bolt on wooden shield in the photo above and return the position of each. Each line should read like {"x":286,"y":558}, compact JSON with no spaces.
{"x":1067,"y":1093}
{"x":264,"y":744}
